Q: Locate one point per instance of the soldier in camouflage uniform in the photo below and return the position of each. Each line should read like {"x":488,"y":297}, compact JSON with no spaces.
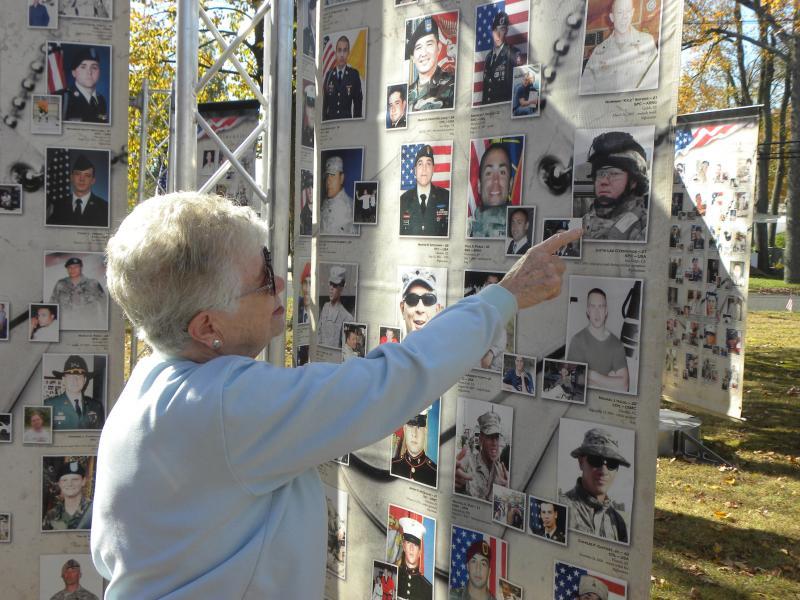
{"x":72,"y":510}
{"x":476,"y":474}
{"x":494,"y":186}
{"x":73,"y":590}
{"x":82,"y":299}
{"x":433,"y":88}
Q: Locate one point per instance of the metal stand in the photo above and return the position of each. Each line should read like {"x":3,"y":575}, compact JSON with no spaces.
{"x":702,"y":454}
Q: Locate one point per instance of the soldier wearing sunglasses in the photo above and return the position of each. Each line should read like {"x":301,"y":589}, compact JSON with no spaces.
{"x":419,"y":302}
{"x":592,"y":511}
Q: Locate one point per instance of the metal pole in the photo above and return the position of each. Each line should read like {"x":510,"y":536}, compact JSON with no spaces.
{"x":185,"y":166}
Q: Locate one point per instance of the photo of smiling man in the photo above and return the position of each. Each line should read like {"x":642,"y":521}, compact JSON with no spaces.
{"x":422,"y":295}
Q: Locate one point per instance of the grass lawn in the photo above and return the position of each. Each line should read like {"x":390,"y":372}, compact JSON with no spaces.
{"x":771,"y":284}
{"x":735,"y":534}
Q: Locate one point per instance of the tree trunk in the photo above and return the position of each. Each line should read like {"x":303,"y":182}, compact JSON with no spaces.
{"x":762,"y":181}
{"x":791,"y":272}
{"x":780,"y":170}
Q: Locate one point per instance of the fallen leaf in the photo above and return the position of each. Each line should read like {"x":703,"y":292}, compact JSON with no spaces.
{"x":731,"y":481}
{"x":721,"y":514}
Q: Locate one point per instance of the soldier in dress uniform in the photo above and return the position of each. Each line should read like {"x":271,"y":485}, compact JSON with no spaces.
{"x":72,"y":510}
{"x":411,"y":584}
{"x":336,"y":213}
{"x":72,"y":409}
{"x":81,"y":207}
{"x":476,"y":474}
{"x":333,"y":315}
{"x":81,"y":102}
{"x":498,"y":67}
{"x":343,"y":97}
{"x":433,"y":88}
{"x":626,"y":61}
{"x":479,"y":570}
{"x":73,"y":590}
{"x":309,"y":34}
{"x":425,"y":208}
{"x":621,"y":189}
{"x":411,"y":461}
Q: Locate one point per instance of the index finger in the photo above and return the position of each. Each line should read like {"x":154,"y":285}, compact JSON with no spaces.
{"x":558,"y":240}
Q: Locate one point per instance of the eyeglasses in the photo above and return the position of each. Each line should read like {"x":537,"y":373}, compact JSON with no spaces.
{"x":611,"y":174}
{"x":269,"y":285}
{"x":412,"y":299}
{"x":336,"y":285}
{"x":598,"y":461}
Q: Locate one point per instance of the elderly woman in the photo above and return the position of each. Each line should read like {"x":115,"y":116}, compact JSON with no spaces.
{"x":206,"y":480}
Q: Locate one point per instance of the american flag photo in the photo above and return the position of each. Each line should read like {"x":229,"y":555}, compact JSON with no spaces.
{"x":461,"y":539}
{"x":567,"y":583}
{"x":692,"y":138}
{"x":58,"y":189}
{"x":60,"y":56}
{"x":358,"y":52}
{"x":443,"y":157}
{"x":515,"y":145}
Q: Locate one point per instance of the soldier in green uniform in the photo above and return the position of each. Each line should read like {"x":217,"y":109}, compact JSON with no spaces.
{"x":411,"y":584}
{"x":476,"y":474}
{"x":433,"y":88}
{"x":621,"y":189}
{"x":72,"y":409}
{"x":82,"y":299}
{"x":411,"y":461}
{"x":494,"y":186}
{"x":72,"y":510}
{"x":73,"y":590}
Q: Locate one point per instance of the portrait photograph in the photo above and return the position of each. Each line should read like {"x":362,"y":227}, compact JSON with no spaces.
{"x":336,"y":504}
{"x":365,"y":209}
{"x":10,"y":199}
{"x":503,"y":340}
{"x":611,"y":182}
{"x":354,"y":340}
{"x":411,"y":545}
{"x":309,"y":28}
{"x":340,"y":281}
{"x":495,"y":182}
{"x":74,"y":387}
{"x":415,"y":447}
{"x":621,"y":46}
{"x":570,"y":581}
{"x":603,"y":330}
{"x":396,"y":106}
{"x":520,"y":223}
{"x":5,"y":315}
{"x":5,"y":528}
{"x":43,"y":323}
{"x":527,"y":96}
{"x":309,"y":113}
{"x":76,"y":281}
{"x":510,"y":591}
{"x":431,"y":51}
{"x":483,"y":447}
{"x":388,"y":334}
{"x":550,"y":227}
{"x":6,"y":428}
{"x":341,"y":168}
{"x":738,"y":276}
{"x":564,"y":380}
{"x":45,"y":114}
{"x":471,"y":554}
{"x":301,"y":355}
{"x":425,"y":170}
{"x":81,"y":75}
{"x":733,"y":341}
{"x":303,"y":306}
{"x":501,"y":44}
{"x":67,"y":492}
{"x":43,"y":14}
{"x":422,"y":294}
{"x":547,"y":520}
{"x":38,"y":423}
{"x":77,"y":187}
{"x":60,"y":573}
{"x":344,"y":75}
{"x":81,"y":9}
{"x":508,"y":507}
{"x":384,"y":581}
{"x":596,"y":465}
{"x":306,"y":208}
{"x":519,"y":374}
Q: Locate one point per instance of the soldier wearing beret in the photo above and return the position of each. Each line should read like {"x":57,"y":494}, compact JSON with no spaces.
{"x":475,"y":475}
{"x":73,"y":590}
{"x":433,"y":88}
{"x":498,"y":67}
{"x":307,"y":200}
{"x":333,"y":314}
{"x":336,"y":212}
{"x":81,"y":102}
{"x":81,"y":207}
{"x":410,"y":461}
{"x":591,"y":588}
{"x":342,"y":94}
{"x":82,"y":299}
{"x":425,"y":208}
{"x":72,"y":409}
{"x":411,"y":584}
{"x":479,"y":570}
{"x":591,"y":509}
{"x":72,"y":509}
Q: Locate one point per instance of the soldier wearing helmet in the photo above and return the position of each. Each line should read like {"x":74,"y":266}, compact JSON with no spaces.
{"x":621,"y":188}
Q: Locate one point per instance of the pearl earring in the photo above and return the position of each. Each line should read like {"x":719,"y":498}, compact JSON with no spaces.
{"x":216,"y":344}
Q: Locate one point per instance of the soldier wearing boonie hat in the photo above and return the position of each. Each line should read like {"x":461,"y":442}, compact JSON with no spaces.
{"x":334,"y":314}
{"x":81,"y":101}
{"x":336,"y":210}
{"x":591,"y":588}
{"x":433,"y":88}
{"x":425,"y":208}
{"x":498,"y":66}
{"x":411,"y":462}
{"x":411,"y":584}
{"x":476,"y":474}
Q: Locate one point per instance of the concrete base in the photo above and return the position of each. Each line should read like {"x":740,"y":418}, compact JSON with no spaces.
{"x":670,"y":424}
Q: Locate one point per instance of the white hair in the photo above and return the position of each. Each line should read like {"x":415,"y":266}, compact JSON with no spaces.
{"x":176,"y":255}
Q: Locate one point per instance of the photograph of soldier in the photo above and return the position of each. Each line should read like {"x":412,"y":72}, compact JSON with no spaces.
{"x":519,"y":374}
{"x":67,"y":489}
{"x":733,"y":341}
{"x":76,"y":282}
{"x":310,"y":29}
{"x":6,"y":428}
{"x":411,"y":544}
{"x":354,"y":340}
{"x":482,"y":457}
{"x":304,"y":299}
{"x":81,"y":75}
{"x":550,"y":227}
{"x":621,"y":46}
{"x":86,"y":9}
{"x":38,"y":423}
{"x":547,"y":520}
{"x":71,"y":575}
{"x":339,"y":305}
{"x":5,"y":311}
{"x":389,"y":335}
{"x":415,"y":447}
{"x":306,"y":201}
{"x":5,"y":528}
{"x":611,"y":182}
{"x":10,"y":199}
{"x":365,"y":207}
{"x":527,"y":83}
{"x":309,"y":102}
{"x":503,"y":341}
{"x":301,"y":355}
{"x":495,"y":182}
{"x":508,"y":507}
{"x":599,"y":492}
{"x":564,"y":380}
{"x":423,"y":294}
{"x":45,"y":114}
{"x":341,"y":168}
{"x":43,"y":14}
{"x":603,"y":328}
{"x":501,"y":42}
{"x":344,"y":74}
{"x":425,"y":185}
{"x":509,"y":591}
{"x":75,"y":390}
{"x":737,"y":273}
{"x":576,"y":583}
{"x":336,"y":505}
{"x":396,"y":106}
{"x":712,"y":271}
{"x":384,"y":581}
{"x":431,"y":52}
{"x":43,"y":324}
{"x":690,"y":366}
{"x":477,"y":562}
{"x":519,"y":233}
{"x":68,"y":577}
{"x":77,"y":186}
{"x":695,"y":271}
